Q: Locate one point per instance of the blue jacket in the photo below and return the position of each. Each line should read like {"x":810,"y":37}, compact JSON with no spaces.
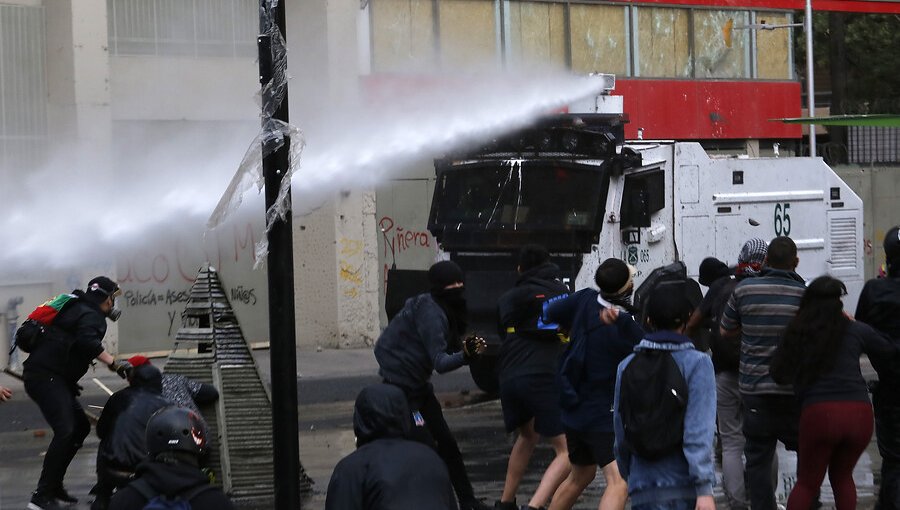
{"x":414,"y":345}
{"x":588,"y":367}
{"x":689,"y":473}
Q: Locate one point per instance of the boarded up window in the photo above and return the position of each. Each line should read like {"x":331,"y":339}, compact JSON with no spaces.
{"x":773,"y":47}
{"x":537,"y":34}
{"x":402,"y":35}
{"x":468,"y":35}
{"x":712,"y":57}
{"x":663,"y":48}
{"x":599,"y":39}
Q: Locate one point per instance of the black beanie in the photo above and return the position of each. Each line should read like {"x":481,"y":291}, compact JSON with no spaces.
{"x":444,"y":273}
{"x":668,"y":306}
{"x":711,"y":269}
{"x":101,"y":288}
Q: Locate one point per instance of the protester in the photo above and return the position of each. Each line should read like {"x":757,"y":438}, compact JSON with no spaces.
{"x":587,"y":375}
{"x":726,"y":353}
{"x":122,"y":431}
{"x":176,"y":439}
{"x":5,"y":393}
{"x":424,"y":337}
{"x":819,"y":356}
{"x":684,"y":478}
{"x":51,"y":373}
{"x":182,"y":391}
{"x":759,"y":310}
{"x":529,"y":389}
{"x":879,"y":306}
{"x":388,"y":470}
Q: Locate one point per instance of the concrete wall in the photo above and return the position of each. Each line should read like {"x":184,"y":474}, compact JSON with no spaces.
{"x":879,"y":188}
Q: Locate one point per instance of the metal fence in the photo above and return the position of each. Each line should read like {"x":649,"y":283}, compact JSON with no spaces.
{"x":874,"y":145}
{"x":194,"y":28}
{"x":23,"y":86}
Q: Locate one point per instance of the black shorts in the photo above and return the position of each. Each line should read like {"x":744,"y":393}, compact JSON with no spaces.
{"x":590,"y":448}
{"x":532,"y":396}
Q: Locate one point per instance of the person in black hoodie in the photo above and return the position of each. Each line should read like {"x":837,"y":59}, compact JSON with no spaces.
{"x":424,"y":337}
{"x":879,"y":307}
{"x":51,"y":375}
{"x":122,"y":431}
{"x":388,"y":470}
{"x":176,"y":439}
{"x":529,"y":388}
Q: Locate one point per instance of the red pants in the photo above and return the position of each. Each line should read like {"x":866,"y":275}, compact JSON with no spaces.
{"x":833,"y":435}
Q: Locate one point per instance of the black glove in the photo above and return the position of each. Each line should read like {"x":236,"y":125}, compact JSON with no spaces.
{"x":120,"y":367}
{"x":473,"y":346}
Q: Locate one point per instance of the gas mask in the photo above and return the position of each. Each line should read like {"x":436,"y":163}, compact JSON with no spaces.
{"x":114,"y":311}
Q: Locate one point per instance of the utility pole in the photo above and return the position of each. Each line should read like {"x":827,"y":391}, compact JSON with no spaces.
{"x":280,"y":261}
{"x":810,"y":89}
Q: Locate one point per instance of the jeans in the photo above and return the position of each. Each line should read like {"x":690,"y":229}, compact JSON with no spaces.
{"x":887,"y":433}
{"x":767,"y":420}
{"x":731,"y":435}
{"x":70,"y":426}
{"x":672,"y":504}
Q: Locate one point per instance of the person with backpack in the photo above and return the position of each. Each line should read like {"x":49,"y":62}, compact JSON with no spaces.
{"x":726,"y":354}
{"x":72,"y":329}
{"x":587,"y":379}
{"x":427,"y":336}
{"x":388,"y":470}
{"x":664,"y":412}
{"x":529,"y":389}
{"x":181,"y":390}
{"x":171,"y":477}
{"x":758,"y":313}
{"x":122,"y":431}
{"x":879,"y":307}
{"x":819,"y":356}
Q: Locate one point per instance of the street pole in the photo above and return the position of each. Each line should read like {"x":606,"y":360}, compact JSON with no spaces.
{"x":280,"y":262}
{"x":810,"y":89}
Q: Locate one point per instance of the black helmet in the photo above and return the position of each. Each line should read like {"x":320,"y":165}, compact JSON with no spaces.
{"x":175,"y":429}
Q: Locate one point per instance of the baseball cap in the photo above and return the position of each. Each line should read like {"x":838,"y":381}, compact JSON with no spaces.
{"x":102,"y":287}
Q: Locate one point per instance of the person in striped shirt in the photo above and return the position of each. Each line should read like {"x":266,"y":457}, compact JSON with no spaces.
{"x":759,"y":310}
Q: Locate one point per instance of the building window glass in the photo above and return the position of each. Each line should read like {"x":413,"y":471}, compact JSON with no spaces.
{"x":23,"y":88}
{"x":713,"y":58}
{"x":468,"y":35}
{"x":773,"y":47}
{"x":537,"y":35}
{"x":599,"y":38}
{"x":221,"y":28}
{"x":663,"y":45}
{"x":402,"y":35}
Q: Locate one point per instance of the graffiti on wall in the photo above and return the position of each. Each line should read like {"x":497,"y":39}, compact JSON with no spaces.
{"x":398,"y":240}
{"x":350,"y":267}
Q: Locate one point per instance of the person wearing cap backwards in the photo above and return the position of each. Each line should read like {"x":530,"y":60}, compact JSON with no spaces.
{"x":879,"y":306}
{"x":587,"y":379}
{"x":122,"y":429}
{"x":425,"y":337}
{"x":51,"y":375}
{"x":683,"y":479}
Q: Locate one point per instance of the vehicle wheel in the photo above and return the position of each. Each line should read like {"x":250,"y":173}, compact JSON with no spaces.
{"x":484,"y":373}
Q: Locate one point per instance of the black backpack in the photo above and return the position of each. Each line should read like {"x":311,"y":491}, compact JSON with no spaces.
{"x":652,"y":403}
{"x":540,"y":294}
{"x":29,"y":334}
{"x":158,"y":501}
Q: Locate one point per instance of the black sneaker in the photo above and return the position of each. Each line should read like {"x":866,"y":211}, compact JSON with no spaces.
{"x":63,"y":495}
{"x":506,"y":505}
{"x":474,"y":504}
{"x":41,"y":501}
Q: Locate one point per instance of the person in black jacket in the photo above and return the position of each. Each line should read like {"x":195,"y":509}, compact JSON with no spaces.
{"x":424,"y":337}
{"x":388,"y":470}
{"x":879,"y":306}
{"x":529,"y":388}
{"x":122,"y":431}
{"x":51,"y":375}
{"x":176,"y":439}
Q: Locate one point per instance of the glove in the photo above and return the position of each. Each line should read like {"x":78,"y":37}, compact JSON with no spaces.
{"x":120,"y":367}
{"x":473,"y":346}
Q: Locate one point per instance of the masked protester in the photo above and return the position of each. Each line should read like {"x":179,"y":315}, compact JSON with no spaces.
{"x":425,"y":337}
{"x":51,"y":375}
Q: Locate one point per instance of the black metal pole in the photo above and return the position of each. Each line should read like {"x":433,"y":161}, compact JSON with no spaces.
{"x":280,"y":262}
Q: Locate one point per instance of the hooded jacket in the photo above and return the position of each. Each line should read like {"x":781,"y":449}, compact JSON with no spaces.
{"x":123,"y":423}
{"x":388,"y":471}
{"x":520,"y":354}
{"x":879,"y":307}
{"x":71,"y":344}
{"x":171,"y":479}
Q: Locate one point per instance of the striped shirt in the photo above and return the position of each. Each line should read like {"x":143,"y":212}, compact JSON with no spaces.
{"x":762,"y":307}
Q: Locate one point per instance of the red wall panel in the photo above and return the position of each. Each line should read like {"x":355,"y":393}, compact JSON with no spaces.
{"x":872,"y":6}
{"x":698,"y":110}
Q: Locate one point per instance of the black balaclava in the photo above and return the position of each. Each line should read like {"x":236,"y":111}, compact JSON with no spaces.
{"x":452,"y":301}
{"x":711,"y":269}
